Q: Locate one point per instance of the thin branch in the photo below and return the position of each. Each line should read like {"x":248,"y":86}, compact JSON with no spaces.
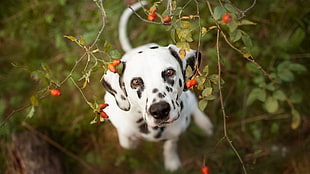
{"x":103,"y":15}
{"x":222,"y":104}
{"x":59,"y":147}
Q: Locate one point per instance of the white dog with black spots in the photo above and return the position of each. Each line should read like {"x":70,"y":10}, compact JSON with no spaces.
{"x":149,"y":99}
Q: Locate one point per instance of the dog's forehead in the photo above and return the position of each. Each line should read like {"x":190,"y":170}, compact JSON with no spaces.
{"x":149,"y":59}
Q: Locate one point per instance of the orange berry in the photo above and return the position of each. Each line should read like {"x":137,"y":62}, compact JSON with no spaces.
{"x":103,"y":105}
{"x":152,"y":9}
{"x":55,"y":92}
{"x":112,"y":68}
{"x":152,"y":16}
{"x":116,"y":62}
{"x":103,"y":115}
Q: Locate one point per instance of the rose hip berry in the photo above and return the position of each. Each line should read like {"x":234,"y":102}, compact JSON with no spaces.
{"x":103,"y":106}
{"x":112,"y":68}
{"x":167,"y":19}
{"x":227,"y":18}
{"x":116,"y":62}
{"x":103,"y":115}
{"x":55,"y":92}
{"x":191,"y":83}
{"x":152,"y":16}
{"x":205,"y":170}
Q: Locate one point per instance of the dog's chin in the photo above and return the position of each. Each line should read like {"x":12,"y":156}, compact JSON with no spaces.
{"x":163,"y":123}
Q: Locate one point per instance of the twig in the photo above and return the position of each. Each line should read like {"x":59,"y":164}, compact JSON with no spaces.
{"x":222,"y":104}
{"x":58,"y":146}
{"x":103,"y":15}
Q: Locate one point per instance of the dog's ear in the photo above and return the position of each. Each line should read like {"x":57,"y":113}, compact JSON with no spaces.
{"x":189,"y":64}
{"x":112,"y":82}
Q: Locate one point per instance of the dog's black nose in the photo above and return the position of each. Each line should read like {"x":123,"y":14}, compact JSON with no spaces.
{"x":160,"y":110}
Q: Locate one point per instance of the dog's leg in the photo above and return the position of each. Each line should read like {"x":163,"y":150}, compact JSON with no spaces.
{"x":127,"y":142}
{"x":171,"y":157}
{"x":203,"y":121}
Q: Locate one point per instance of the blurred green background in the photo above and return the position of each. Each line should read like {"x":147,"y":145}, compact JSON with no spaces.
{"x":32,"y":37}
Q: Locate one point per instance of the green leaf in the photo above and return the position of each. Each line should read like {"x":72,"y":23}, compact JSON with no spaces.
{"x":246,"y":22}
{"x":31,"y":112}
{"x":115,"y":54}
{"x":271,"y":104}
{"x":297,"y":37}
{"x":235,"y":36}
{"x":296,"y":119}
{"x":207,"y":91}
{"x":297,"y":67}
{"x":256,"y":94}
{"x":231,"y":8}
{"x":210,"y":97}
{"x":73,"y":39}
{"x":218,"y":12}
{"x":280,"y":95}
{"x":203,"y":104}
{"x":247,"y":40}
{"x":286,"y":75}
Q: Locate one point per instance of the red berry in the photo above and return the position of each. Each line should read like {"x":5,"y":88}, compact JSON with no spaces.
{"x":152,"y":16}
{"x":167,"y":19}
{"x":103,"y":106}
{"x":194,"y":82}
{"x":112,"y":68}
{"x":205,"y":170}
{"x":55,"y":92}
{"x":116,"y":62}
{"x":188,"y":83}
{"x":103,"y":115}
{"x":227,"y":18}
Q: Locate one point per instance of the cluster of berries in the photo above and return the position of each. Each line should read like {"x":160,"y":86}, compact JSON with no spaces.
{"x":103,"y":114}
{"x":112,"y":66}
{"x":153,"y":16}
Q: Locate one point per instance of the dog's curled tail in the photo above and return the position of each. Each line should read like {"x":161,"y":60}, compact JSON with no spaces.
{"x":122,"y":30}
{"x":203,"y":121}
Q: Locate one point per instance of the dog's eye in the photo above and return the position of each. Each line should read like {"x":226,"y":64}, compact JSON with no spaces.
{"x":136,"y":82}
{"x":169,"y":72}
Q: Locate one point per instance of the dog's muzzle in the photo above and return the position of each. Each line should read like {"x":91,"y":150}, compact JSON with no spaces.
{"x":160,"y":111}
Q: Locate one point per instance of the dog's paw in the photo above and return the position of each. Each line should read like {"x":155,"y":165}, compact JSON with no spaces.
{"x":172,"y":165}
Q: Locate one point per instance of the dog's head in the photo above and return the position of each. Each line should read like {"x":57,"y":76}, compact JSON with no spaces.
{"x":152,"y":81}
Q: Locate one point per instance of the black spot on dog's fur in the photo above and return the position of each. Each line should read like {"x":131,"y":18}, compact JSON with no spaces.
{"x":172,"y":101}
{"x":180,"y":83}
{"x":160,"y":132}
{"x":143,"y":128}
{"x":154,"y":47}
{"x":160,"y":95}
{"x":140,"y":52}
{"x":139,"y":93}
{"x":155,"y":90}
{"x":182,"y":105}
{"x":169,"y":89}
{"x":140,"y":120}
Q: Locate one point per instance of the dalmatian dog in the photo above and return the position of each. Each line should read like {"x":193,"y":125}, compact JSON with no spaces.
{"x":148,"y":99}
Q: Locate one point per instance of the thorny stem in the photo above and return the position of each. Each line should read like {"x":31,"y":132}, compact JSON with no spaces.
{"x":222,"y":103}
